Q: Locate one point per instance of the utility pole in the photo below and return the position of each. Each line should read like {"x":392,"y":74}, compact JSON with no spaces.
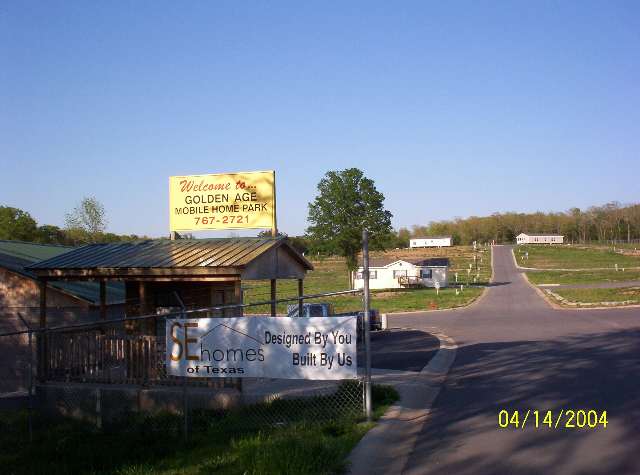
{"x":367,"y":329}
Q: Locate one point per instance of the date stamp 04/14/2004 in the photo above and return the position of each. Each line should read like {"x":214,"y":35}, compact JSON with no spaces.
{"x":560,"y":419}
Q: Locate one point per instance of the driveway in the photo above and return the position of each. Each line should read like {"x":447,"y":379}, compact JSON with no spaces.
{"x":516,"y":352}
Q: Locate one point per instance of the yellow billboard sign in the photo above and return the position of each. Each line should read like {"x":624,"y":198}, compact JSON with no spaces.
{"x":222,"y":201}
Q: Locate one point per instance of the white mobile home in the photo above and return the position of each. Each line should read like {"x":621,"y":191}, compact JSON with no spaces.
{"x":527,"y":238}
{"x":437,"y":241}
{"x":387,"y":273}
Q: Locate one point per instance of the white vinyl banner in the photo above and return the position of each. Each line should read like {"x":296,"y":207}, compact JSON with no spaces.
{"x":263,"y":347}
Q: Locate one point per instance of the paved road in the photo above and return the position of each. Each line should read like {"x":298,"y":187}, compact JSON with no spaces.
{"x":517,"y":352}
{"x":401,"y":350}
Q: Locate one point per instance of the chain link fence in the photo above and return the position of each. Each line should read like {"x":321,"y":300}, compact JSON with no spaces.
{"x":111,"y":375}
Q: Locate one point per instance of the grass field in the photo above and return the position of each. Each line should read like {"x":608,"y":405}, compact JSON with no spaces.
{"x":330,"y":275}
{"x":582,"y":277}
{"x":233,"y":444}
{"x":622,"y":246}
{"x":626,"y":295}
{"x":572,"y":257}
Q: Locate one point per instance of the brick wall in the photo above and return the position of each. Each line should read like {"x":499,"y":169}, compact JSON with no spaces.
{"x":20,"y":291}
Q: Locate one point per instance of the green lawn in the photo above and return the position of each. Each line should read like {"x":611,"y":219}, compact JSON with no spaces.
{"x":625,"y":246}
{"x":629,"y":295}
{"x":572,"y":257}
{"x":582,"y":277}
{"x":233,"y":443}
{"x":331,"y":275}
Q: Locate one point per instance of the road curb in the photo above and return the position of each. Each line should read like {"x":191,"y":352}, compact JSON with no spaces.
{"x":541,"y":294}
{"x":387,"y":447}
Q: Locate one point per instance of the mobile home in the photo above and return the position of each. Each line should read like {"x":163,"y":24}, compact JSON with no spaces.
{"x":526,"y":238}
{"x":389,"y":273}
{"x":437,"y":241}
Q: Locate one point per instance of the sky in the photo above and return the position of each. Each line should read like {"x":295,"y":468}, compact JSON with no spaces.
{"x":452,"y":108}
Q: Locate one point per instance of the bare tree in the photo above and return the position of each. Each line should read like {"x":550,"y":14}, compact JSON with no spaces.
{"x":87,"y":218}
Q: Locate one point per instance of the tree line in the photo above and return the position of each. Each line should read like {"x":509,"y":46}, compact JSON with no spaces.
{"x":85,"y":224}
{"x":609,"y":222}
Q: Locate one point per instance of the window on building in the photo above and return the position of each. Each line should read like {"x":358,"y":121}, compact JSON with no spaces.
{"x":373,"y":274}
{"x":399,"y":273}
{"x":426,"y":273}
{"x":359,"y":275}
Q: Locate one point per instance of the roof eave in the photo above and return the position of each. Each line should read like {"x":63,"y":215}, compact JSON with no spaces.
{"x":82,"y":273}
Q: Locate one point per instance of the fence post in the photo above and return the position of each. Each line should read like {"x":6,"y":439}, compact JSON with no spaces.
{"x":367,"y":329}
{"x":300,"y":295}
{"x":98,"y":408}
{"x":185,"y":402}
{"x":185,"y":408}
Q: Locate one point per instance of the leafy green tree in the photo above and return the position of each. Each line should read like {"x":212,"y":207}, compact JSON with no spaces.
{"x":347,"y":203}
{"x":403,"y":238}
{"x":16,"y":224}
{"x":299,"y":243}
{"x":48,"y":234}
{"x":87,"y":221}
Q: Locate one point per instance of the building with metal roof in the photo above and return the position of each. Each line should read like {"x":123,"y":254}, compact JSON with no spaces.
{"x":18,"y":286}
{"x":160,"y":274}
{"x":250,"y":258}
{"x":161,"y":277}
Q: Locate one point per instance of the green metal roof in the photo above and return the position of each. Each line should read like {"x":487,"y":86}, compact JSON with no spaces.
{"x":182,"y":253}
{"x":32,"y":251}
{"x":16,"y":256}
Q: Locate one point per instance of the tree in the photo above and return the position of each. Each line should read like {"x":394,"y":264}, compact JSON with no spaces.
{"x":347,"y":203}
{"x":16,"y":224}
{"x":87,"y":220}
{"x":47,"y":234}
{"x":299,"y":243}
{"x":404,"y":236}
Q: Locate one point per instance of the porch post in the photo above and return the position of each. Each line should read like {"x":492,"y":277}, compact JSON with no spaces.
{"x":103,"y":300}
{"x":148,"y":325}
{"x":42,"y":339}
{"x":237,"y":297}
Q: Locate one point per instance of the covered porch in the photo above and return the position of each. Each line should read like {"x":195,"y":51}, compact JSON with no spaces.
{"x":203,"y":277}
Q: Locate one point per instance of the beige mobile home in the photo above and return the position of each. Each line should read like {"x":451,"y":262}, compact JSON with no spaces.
{"x":404,"y":273}
{"x":436,"y":241}
{"x":526,"y":238}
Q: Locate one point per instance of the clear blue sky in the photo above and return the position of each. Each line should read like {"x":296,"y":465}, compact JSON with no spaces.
{"x":453,"y":108}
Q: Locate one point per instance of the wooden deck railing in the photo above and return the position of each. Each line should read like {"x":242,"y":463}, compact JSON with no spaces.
{"x":94,"y":356}
{"x":410,"y":281}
